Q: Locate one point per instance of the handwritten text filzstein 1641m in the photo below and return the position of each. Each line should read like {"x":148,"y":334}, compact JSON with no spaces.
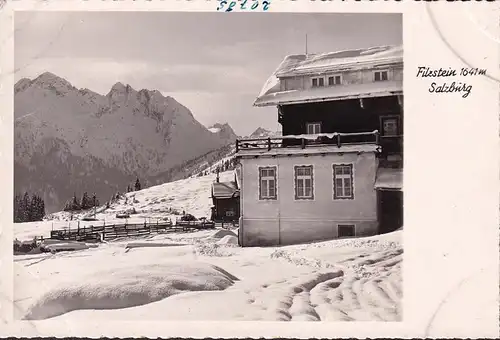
{"x":460,"y":87}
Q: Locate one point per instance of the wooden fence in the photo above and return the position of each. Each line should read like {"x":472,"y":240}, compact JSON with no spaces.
{"x":113,"y":231}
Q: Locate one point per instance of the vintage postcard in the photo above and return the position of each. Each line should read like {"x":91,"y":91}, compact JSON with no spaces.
{"x":250,"y":168}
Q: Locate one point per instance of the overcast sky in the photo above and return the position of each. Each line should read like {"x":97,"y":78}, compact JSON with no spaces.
{"x":213,"y":63}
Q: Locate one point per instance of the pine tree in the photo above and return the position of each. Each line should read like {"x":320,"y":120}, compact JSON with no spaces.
{"x":137,"y":184}
{"x":17,"y":208}
{"x":36,"y":209}
{"x":95,"y":201}
{"x":25,"y":208}
{"x":68,"y":206}
{"x":42,"y":209}
{"x":33,"y":207}
{"x":85,"y":202}
{"x":75,"y":205}
{"x":129,"y":188}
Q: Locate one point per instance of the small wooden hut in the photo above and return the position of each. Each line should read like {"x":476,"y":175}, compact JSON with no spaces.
{"x":226,"y":201}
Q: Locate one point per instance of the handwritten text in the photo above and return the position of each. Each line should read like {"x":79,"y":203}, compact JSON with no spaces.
{"x":243,"y":5}
{"x":453,"y":86}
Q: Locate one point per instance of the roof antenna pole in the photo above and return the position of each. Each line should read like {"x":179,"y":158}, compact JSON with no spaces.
{"x":306,"y":44}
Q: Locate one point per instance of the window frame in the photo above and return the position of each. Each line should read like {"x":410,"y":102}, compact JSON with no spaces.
{"x":398,"y":125}
{"x":334,"y":77}
{"x":380,"y":72}
{"x":295,"y":181}
{"x":313,"y":124}
{"x":317,"y":81}
{"x":274,"y":178}
{"x":343,"y":176}
{"x":339,"y":225}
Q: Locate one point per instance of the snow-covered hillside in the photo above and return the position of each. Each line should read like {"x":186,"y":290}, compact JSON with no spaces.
{"x":186,"y":276}
{"x":169,"y":200}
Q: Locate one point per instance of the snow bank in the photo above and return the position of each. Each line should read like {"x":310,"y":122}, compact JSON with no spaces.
{"x":223,"y":233}
{"x":228,"y":239}
{"x":67,"y":246}
{"x":128,"y":287}
{"x":152,"y":244}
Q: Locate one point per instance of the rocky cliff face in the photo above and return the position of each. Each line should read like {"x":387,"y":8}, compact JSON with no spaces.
{"x":69,"y":140}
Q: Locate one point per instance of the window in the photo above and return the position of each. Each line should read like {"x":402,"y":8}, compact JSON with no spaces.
{"x":381,"y":75}
{"x":334,"y":80}
{"x":390,"y":126}
{"x":304,"y":182}
{"x":313,"y":128}
{"x":343,"y":186}
{"x":318,"y":82}
{"x":267,"y":181}
{"x":346,"y":230}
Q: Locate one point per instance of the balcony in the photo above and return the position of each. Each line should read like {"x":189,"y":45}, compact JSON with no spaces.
{"x":298,"y":142}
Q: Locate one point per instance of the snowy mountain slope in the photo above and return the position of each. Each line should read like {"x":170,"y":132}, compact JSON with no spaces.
{"x":136,"y":133}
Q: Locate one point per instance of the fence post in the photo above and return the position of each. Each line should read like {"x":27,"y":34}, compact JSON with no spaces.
{"x":269,"y":144}
{"x":338,"y":140}
{"x":377,"y":137}
{"x":237,"y":145}
{"x":303,"y":143}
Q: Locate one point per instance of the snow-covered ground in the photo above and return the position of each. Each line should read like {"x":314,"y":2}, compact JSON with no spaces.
{"x":204,"y":275}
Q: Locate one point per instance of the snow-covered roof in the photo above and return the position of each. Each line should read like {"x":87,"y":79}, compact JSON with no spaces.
{"x":225,"y":190}
{"x":389,"y":179}
{"x":313,"y":64}
{"x":353,"y":91}
{"x":335,"y":61}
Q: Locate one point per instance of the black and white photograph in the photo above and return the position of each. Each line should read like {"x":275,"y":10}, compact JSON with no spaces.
{"x":201,"y":166}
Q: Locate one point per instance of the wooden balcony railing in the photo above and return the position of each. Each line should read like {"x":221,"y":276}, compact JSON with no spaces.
{"x":303,"y":141}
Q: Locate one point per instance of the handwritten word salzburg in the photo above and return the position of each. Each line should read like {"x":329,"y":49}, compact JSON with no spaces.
{"x":452,"y":86}
{"x":243,"y":5}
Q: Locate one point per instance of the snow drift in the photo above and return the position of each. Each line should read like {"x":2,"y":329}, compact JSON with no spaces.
{"x":129,"y":287}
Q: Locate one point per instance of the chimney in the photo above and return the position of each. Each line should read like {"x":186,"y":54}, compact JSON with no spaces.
{"x":217,"y":178}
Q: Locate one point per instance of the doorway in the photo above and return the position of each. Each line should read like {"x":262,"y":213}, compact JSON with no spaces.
{"x":390,"y":210}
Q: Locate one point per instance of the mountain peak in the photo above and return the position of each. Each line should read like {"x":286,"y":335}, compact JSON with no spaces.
{"x":51,"y":81}
{"x":260,"y":132}
{"x":224,"y":130}
{"x":119,"y":87}
{"x":22,"y":84}
{"x":49,"y":78}
{"x":219,"y":125}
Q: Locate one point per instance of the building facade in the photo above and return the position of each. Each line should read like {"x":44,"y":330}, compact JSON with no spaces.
{"x":337,"y":170}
